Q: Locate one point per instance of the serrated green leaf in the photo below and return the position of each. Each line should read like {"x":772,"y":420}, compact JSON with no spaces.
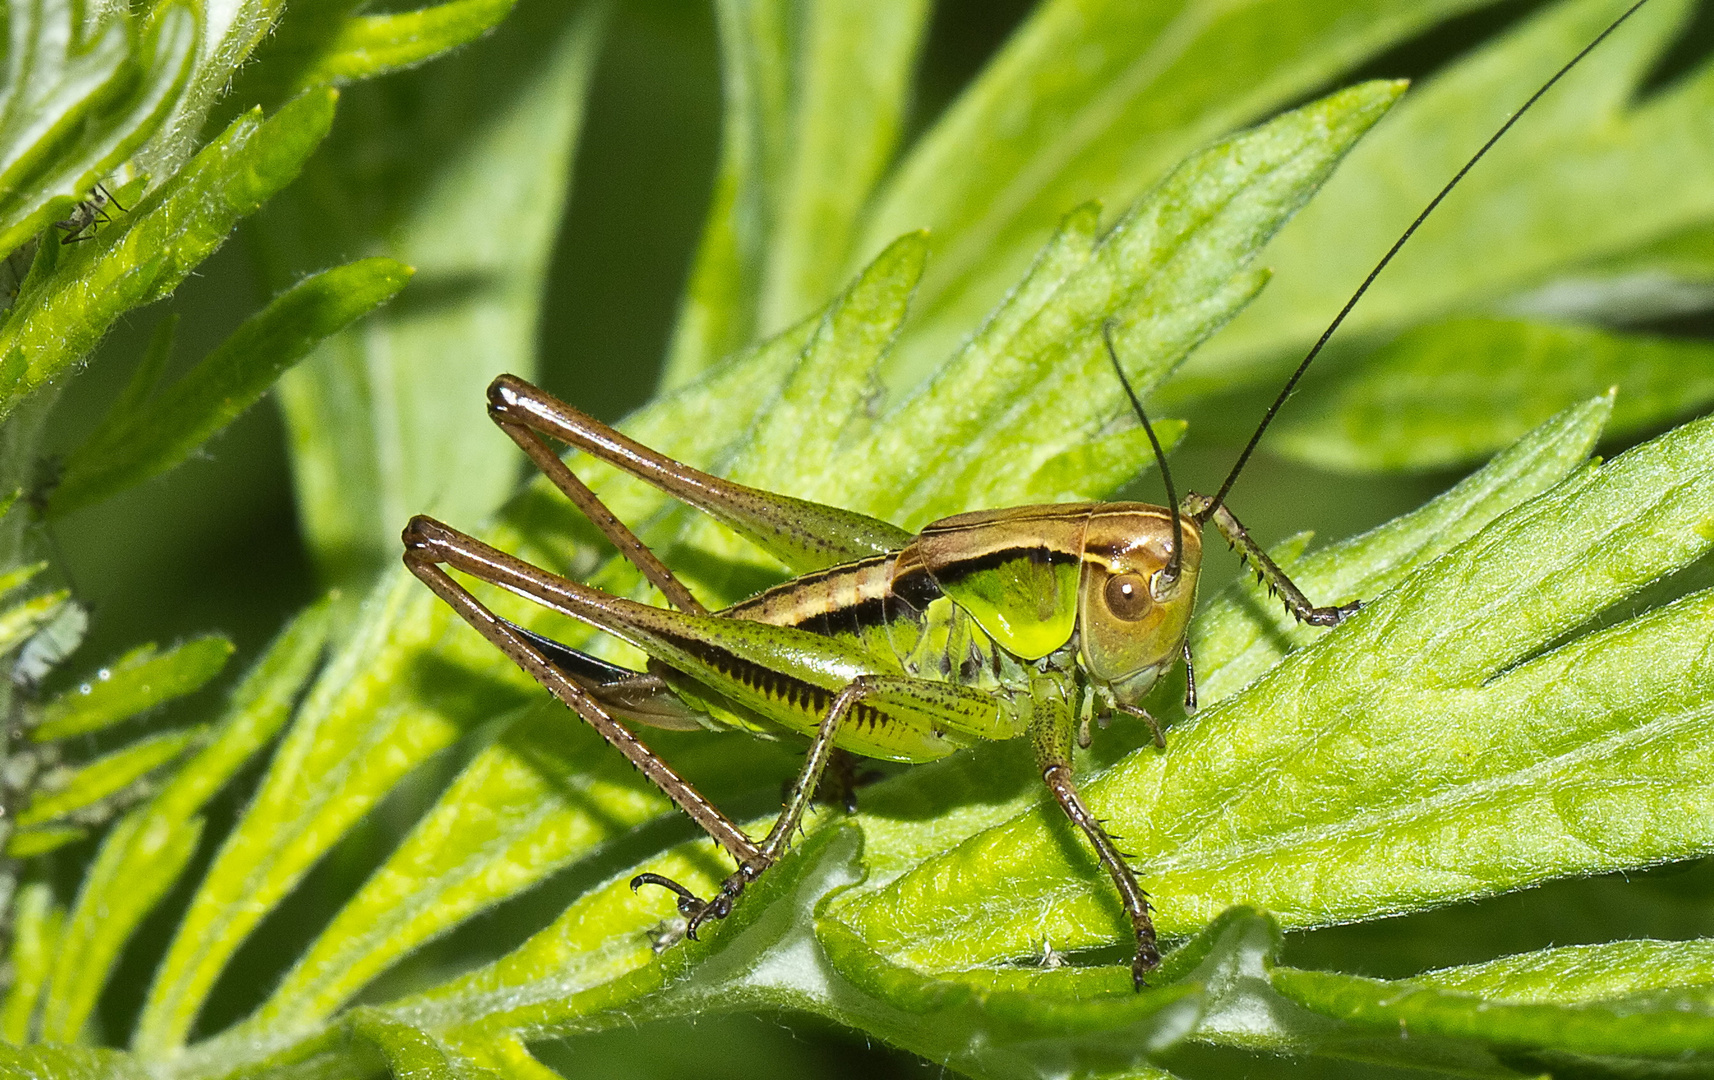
{"x":1035,"y":381}
{"x":347,"y":747}
{"x":69,"y":116}
{"x":1446,"y":393}
{"x":142,"y":858}
{"x":105,"y":776}
{"x":137,"y":682}
{"x":1420,"y":754}
{"x":507,"y":822}
{"x":36,"y":923}
{"x":28,"y":843}
{"x":597,"y":953}
{"x":320,"y":783}
{"x":1056,"y":429}
{"x":501,"y":826}
{"x":1624,"y":999}
{"x":1002,"y":1022}
{"x":1105,"y":464}
{"x":147,"y":440}
{"x":363,"y":46}
{"x":60,"y":316}
{"x":1538,"y":207}
{"x":1243,"y":632}
{"x":344,"y":753}
{"x":1040,"y":132}
{"x":531,"y":823}
{"x":824,"y":404}
{"x":386,"y":421}
{"x":700,"y":424}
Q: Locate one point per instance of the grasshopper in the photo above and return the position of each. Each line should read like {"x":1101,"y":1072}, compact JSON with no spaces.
{"x":1022,"y":622}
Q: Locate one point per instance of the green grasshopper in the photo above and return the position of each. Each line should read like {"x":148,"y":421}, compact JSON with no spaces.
{"x":997,"y":624}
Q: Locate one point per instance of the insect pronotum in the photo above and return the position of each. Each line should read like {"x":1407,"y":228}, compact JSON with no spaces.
{"x":994,"y":624}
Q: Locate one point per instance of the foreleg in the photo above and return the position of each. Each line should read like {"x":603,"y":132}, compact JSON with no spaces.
{"x":1268,"y":571}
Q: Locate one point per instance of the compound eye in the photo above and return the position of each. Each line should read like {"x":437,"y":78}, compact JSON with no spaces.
{"x":1128,"y":597}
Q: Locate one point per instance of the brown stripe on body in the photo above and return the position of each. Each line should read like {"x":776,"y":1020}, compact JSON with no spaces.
{"x":977,"y":520}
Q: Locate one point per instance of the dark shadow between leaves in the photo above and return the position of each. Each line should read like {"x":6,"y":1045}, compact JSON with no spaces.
{"x":460,"y":693}
{"x":1670,"y":902}
{"x":430,"y":292}
{"x":991,"y":773}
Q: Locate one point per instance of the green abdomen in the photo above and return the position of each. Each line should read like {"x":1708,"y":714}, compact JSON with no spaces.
{"x":906,"y":626}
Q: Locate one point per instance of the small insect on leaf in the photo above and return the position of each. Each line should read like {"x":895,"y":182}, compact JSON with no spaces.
{"x":87,"y":217}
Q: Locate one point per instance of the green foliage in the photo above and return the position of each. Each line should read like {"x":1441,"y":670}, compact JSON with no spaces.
{"x":814,"y":104}
{"x":35,"y":934}
{"x":146,"y":436}
{"x":72,"y":297}
{"x":1555,"y":242}
{"x":80,"y":95}
{"x":904,"y":327}
{"x":1451,"y":391}
{"x":363,"y":46}
{"x":103,"y":777}
{"x":477,"y":155}
{"x":140,"y":680}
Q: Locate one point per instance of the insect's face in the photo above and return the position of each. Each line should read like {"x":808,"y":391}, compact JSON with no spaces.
{"x":1132,"y":615}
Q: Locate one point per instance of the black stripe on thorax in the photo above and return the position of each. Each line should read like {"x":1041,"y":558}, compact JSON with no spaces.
{"x":917,"y":587}
{"x":1040,"y":554}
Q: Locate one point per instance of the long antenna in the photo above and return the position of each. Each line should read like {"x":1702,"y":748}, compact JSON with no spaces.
{"x":1176,"y":559}
{"x":1291,"y":384}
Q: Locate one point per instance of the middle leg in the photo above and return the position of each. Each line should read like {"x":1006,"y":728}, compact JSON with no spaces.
{"x":798,"y":797}
{"x":1051,"y":731}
